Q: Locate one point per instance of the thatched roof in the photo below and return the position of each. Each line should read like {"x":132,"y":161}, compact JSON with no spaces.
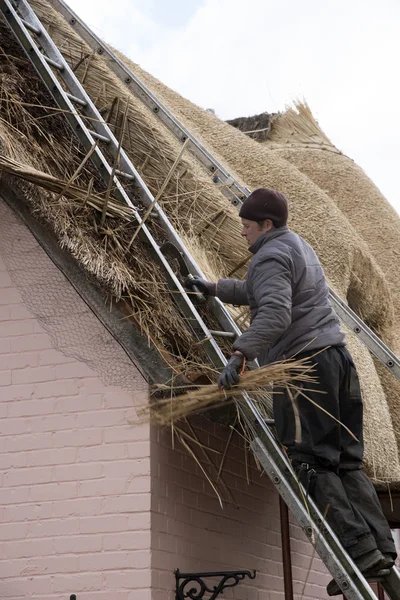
{"x":33,"y":133}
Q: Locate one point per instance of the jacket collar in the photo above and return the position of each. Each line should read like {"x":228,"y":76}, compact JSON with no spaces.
{"x":267,"y":237}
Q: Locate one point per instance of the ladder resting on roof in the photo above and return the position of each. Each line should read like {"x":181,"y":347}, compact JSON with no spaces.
{"x":229,"y":186}
{"x":77,"y":106}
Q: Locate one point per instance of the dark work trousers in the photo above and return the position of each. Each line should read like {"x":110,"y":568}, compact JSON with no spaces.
{"x":326,"y":457}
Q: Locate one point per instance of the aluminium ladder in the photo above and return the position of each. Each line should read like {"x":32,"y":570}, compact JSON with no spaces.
{"x":230,"y":187}
{"x":77,"y":105}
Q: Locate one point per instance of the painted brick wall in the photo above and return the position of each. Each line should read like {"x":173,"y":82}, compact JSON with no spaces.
{"x":93,"y":506}
{"x":74,"y":477}
{"x":191,"y":532}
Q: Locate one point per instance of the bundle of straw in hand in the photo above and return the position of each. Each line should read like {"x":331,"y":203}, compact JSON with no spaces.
{"x":287,"y":373}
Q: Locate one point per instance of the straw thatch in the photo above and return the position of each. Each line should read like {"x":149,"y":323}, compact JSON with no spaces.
{"x":193,"y":203}
{"x":33,"y":133}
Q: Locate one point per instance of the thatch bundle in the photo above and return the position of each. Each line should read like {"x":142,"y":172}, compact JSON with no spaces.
{"x":196,"y":207}
{"x":288,"y":374}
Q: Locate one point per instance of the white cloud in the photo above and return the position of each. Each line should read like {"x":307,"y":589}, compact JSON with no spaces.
{"x":241,"y":58}
{"x":125,"y":27}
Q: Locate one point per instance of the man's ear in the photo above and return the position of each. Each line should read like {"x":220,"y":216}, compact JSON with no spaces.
{"x":270,"y":224}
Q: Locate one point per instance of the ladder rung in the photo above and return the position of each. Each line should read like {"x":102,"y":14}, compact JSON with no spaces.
{"x":98,"y":136}
{"x":226,"y":334}
{"x":31,"y":27}
{"x":123,"y":174}
{"x":53,"y":63}
{"x":381,"y":576}
{"x":76,"y":100}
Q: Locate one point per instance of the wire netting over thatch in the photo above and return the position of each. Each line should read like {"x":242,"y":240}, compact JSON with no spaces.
{"x":37,"y":136}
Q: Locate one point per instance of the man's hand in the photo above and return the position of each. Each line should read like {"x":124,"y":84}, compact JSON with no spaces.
{"x":205,"y":287}
{"x":231,"y":371}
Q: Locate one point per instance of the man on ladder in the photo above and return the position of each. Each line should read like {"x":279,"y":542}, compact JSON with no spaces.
{"x":291,"y":314}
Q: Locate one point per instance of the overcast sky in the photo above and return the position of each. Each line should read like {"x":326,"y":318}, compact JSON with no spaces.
{"x":243,"y":57}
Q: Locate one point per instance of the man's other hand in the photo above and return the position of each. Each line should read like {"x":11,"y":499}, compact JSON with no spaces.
{"x":231,"y":372}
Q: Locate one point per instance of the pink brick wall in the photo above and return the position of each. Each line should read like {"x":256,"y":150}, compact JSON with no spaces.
{"x":93,"y":506}
{"x":190,"y":530}
{"x":75,"y":475}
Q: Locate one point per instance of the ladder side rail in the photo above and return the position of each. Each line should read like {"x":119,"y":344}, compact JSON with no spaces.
{"x":151,"y":101}
{"x":379,"y":349}
{"x":309,"y":517}
{"x":332,"y":554}
{"x":203,"y":333}
{"x":98,"y":124}
{"x":220,"y":174}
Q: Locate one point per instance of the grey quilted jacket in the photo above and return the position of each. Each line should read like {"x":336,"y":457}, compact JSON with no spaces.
{"x":288,"y":298}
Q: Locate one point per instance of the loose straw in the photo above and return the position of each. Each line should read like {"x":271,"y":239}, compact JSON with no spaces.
{"x":164,"y":185}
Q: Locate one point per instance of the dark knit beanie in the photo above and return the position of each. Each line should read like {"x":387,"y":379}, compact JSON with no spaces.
{"x":265,"y":203}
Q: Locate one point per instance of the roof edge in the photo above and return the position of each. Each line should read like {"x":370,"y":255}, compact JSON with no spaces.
{"x":145,"y":358}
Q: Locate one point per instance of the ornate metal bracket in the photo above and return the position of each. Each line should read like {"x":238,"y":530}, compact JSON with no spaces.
{"x":191,"y":585}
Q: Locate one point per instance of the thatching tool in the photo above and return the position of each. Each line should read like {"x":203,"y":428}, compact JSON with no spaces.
{"x":171,"y":250}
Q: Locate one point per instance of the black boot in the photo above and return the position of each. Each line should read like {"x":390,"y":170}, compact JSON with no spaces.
{"x":369,"y":564}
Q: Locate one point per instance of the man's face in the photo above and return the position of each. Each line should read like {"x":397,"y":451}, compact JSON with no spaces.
{"x":252,"y":230}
